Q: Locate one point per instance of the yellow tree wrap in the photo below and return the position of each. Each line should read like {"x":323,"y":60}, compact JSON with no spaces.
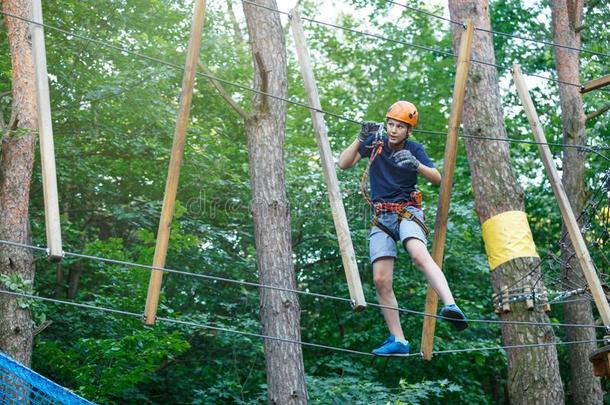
{"x":508,"y":236}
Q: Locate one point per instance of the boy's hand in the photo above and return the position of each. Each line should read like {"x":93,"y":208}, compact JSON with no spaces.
{"x":369,"y":128}
{"x":405,"y":158}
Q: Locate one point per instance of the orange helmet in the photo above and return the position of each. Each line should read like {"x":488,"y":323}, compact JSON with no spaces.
{"x":403,"y":111}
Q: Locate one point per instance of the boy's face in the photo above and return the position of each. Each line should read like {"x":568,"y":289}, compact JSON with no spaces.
{"x":397,"y":131}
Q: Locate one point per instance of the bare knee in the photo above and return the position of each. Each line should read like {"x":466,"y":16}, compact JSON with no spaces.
{"x":383,"y":283}
{"x":420,"y":260}
{"x":419,"y":254}
{"x":383,"y":275}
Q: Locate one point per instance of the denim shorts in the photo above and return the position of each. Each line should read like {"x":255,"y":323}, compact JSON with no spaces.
{"x":383,"y":245}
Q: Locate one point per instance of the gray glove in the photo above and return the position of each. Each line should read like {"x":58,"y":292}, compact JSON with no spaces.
{"x":405,"y":158}
{"x":368,"y":128}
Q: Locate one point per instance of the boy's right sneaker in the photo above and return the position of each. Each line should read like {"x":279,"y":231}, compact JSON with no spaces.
{"x":454,"y":315}
{"x":391,"y":347}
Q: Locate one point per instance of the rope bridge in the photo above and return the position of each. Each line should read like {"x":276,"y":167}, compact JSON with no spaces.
{"x":19,"y":385}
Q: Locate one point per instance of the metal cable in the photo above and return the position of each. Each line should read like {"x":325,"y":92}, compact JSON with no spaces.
{"x":290,"y":290}
{"x":588,"y":148}
{"x":177,"y":321}
{"x":504,"y":34}
{"x":410,"y":44}
{"x":590,"y":203}
{"x":285,"y":340}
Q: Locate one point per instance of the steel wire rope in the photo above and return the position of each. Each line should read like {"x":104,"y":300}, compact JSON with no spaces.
{"x":590,"y":203}
{"x":587,"y":148}
{"x":284,"y":289}
{"x":447,"y":53}
{"x":170,"y":320}
{"x":285,"y":340}
{"x":504,"y":34}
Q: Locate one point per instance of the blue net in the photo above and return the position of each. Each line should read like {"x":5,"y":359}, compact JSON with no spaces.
{"x":21,"y":385}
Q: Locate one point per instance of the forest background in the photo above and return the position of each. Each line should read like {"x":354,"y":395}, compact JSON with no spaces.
{"x":113,"y":117}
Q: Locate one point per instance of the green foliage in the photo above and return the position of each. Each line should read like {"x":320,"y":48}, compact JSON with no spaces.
{"x":355,"y":390}
{"x":90,"y":365}
{"x":114,"y":118}
{"x":15,"y":282}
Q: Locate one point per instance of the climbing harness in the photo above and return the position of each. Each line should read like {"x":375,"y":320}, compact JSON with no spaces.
{"x":416,"y":197}
{"x":403,"y":213}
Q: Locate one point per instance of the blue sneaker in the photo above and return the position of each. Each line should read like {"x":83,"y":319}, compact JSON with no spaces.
{"x":392,"y":348}
{"x":454,"y":315}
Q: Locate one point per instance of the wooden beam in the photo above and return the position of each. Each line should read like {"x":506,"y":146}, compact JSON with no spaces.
{"x":567,"y":214}
{"x":328,"y":165}
{"x":442,"y":213}
{"x":47,"y":147}
{"x":529,"y":302}
{"x":601,"y":361}
{"x":173,"y":175}
{"x":595,"y":84}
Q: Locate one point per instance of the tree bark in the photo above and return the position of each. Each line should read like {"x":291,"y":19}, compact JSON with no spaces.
{"x":18,"y":148}
{"x":265,"y":128}
{"x":584,"y":387}
{"x":533,"y":374}
{"x":237,"y":37}
{"x":74,"y":279}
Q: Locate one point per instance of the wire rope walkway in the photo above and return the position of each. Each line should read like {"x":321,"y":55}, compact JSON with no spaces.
{"x":290,"y":290}
{"x":281,"y":339}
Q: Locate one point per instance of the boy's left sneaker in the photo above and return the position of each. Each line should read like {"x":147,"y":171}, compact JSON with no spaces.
{"x":392,"y":347}
{"x":454,"y":315}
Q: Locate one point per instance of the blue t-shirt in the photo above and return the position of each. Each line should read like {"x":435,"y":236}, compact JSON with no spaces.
{"x":390,"y":182}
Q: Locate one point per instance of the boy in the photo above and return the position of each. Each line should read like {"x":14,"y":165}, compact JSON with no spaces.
{"x":394,"y":164}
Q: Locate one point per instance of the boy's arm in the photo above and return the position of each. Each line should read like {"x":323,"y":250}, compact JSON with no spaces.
{"x":430,"y":173}
{"x":350,"y":156}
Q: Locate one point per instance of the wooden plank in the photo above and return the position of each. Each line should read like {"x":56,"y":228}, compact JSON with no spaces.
{"x":601,"y":361}
{"x":505,"y":299}
{"x":442,"y":214}
{"x":330,"y":175}
{"x":173,"y":175}
{"x":567,"y":214}
{"x":595,"y":84}
{"x":47,"y":147}
{"x":529,"y":302}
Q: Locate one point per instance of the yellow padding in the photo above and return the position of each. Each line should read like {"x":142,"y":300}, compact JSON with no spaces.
{"x":508,"y":236}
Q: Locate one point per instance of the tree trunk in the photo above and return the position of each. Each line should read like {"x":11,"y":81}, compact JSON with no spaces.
{"x":18,"y":147}
{"x":584,"y":387}
{"x":74,"y":279}
{"x":59,"y":281}
{"x":533,"y":374}
{"x":265,"y":127}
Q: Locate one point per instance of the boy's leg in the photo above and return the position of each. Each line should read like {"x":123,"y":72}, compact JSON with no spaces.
{"x":383,"y":273}
{"x":424,"y":262}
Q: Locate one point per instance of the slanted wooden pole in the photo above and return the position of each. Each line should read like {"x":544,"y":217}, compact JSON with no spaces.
{"x":442,"y":214}
{"x":595,"y":84}
{"x":173,"y":174}
{"x":567,"y":214}
{"x":45,"y":129}
{"x":330,"y":175}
